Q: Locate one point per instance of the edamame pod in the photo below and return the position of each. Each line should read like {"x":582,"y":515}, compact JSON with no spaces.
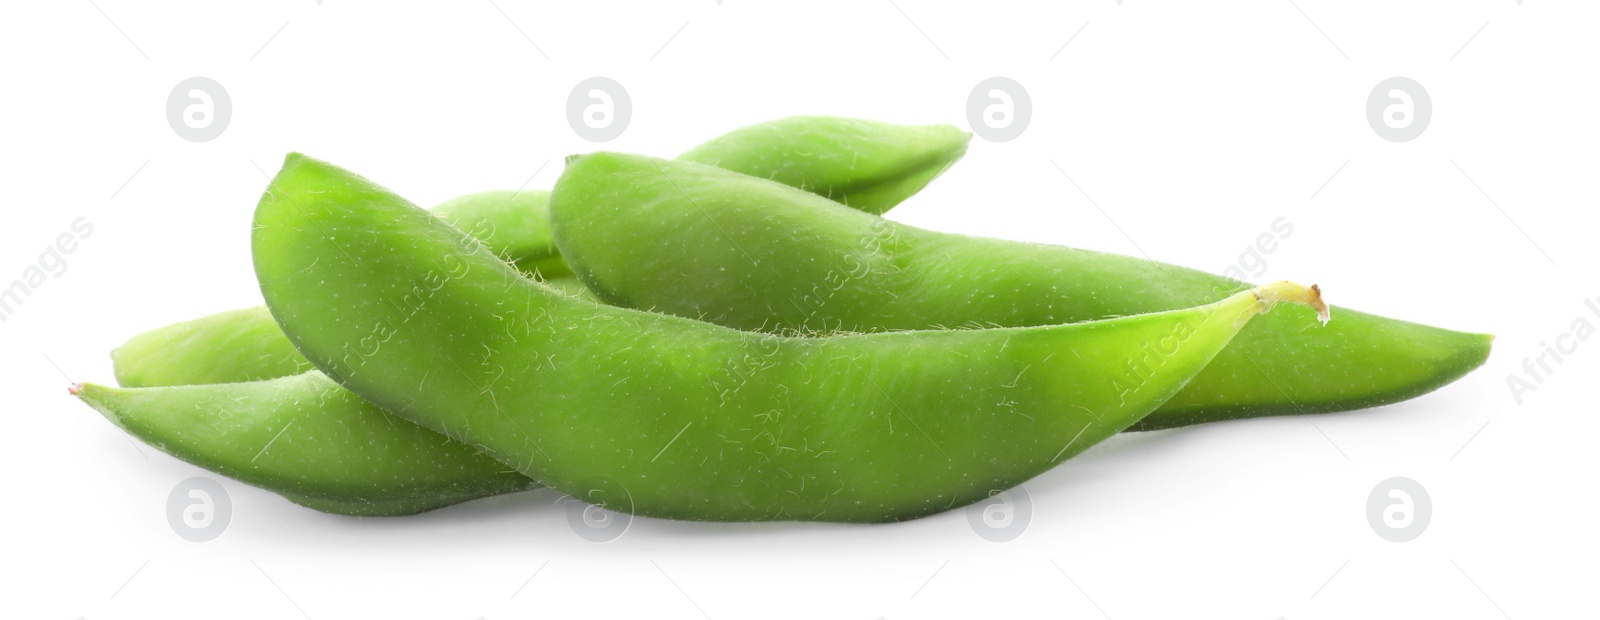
{"x":247,"y":345}
{"x":308,"y":439}
{"x":875,"y":165}
{"x":865,"y":165}
{"x":741,"y":251}
{"x":669,"y":417}
{"x":515,"y":224}
{"x":234,"y":346}
{"x":868,"y":164}
{"x":244,"y":383}
{"x":226,"y":347}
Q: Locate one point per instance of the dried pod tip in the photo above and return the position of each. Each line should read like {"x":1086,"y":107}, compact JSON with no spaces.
{"x":1309,"y":296}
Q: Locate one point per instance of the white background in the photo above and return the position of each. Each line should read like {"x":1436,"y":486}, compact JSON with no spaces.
{"x":1187,"y":130}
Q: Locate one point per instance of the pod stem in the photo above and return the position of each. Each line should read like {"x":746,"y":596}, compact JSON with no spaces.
{"x":1310,"y":296}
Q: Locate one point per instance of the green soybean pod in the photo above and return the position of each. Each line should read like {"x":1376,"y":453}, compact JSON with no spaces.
{"x":670,"y":417}
{"x":867,"y":165}
{"x":226,"y":347}
{"x":308,"y":439}
{"x":228,"y":392}
{"x":247,"y":345}
{"x":845,"y":157}
{"x":233,"y":346}
{"x":515,"y":224}
{"x":741,"y":251}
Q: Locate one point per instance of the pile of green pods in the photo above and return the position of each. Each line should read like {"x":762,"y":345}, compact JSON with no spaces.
{"x":735,"y":334}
